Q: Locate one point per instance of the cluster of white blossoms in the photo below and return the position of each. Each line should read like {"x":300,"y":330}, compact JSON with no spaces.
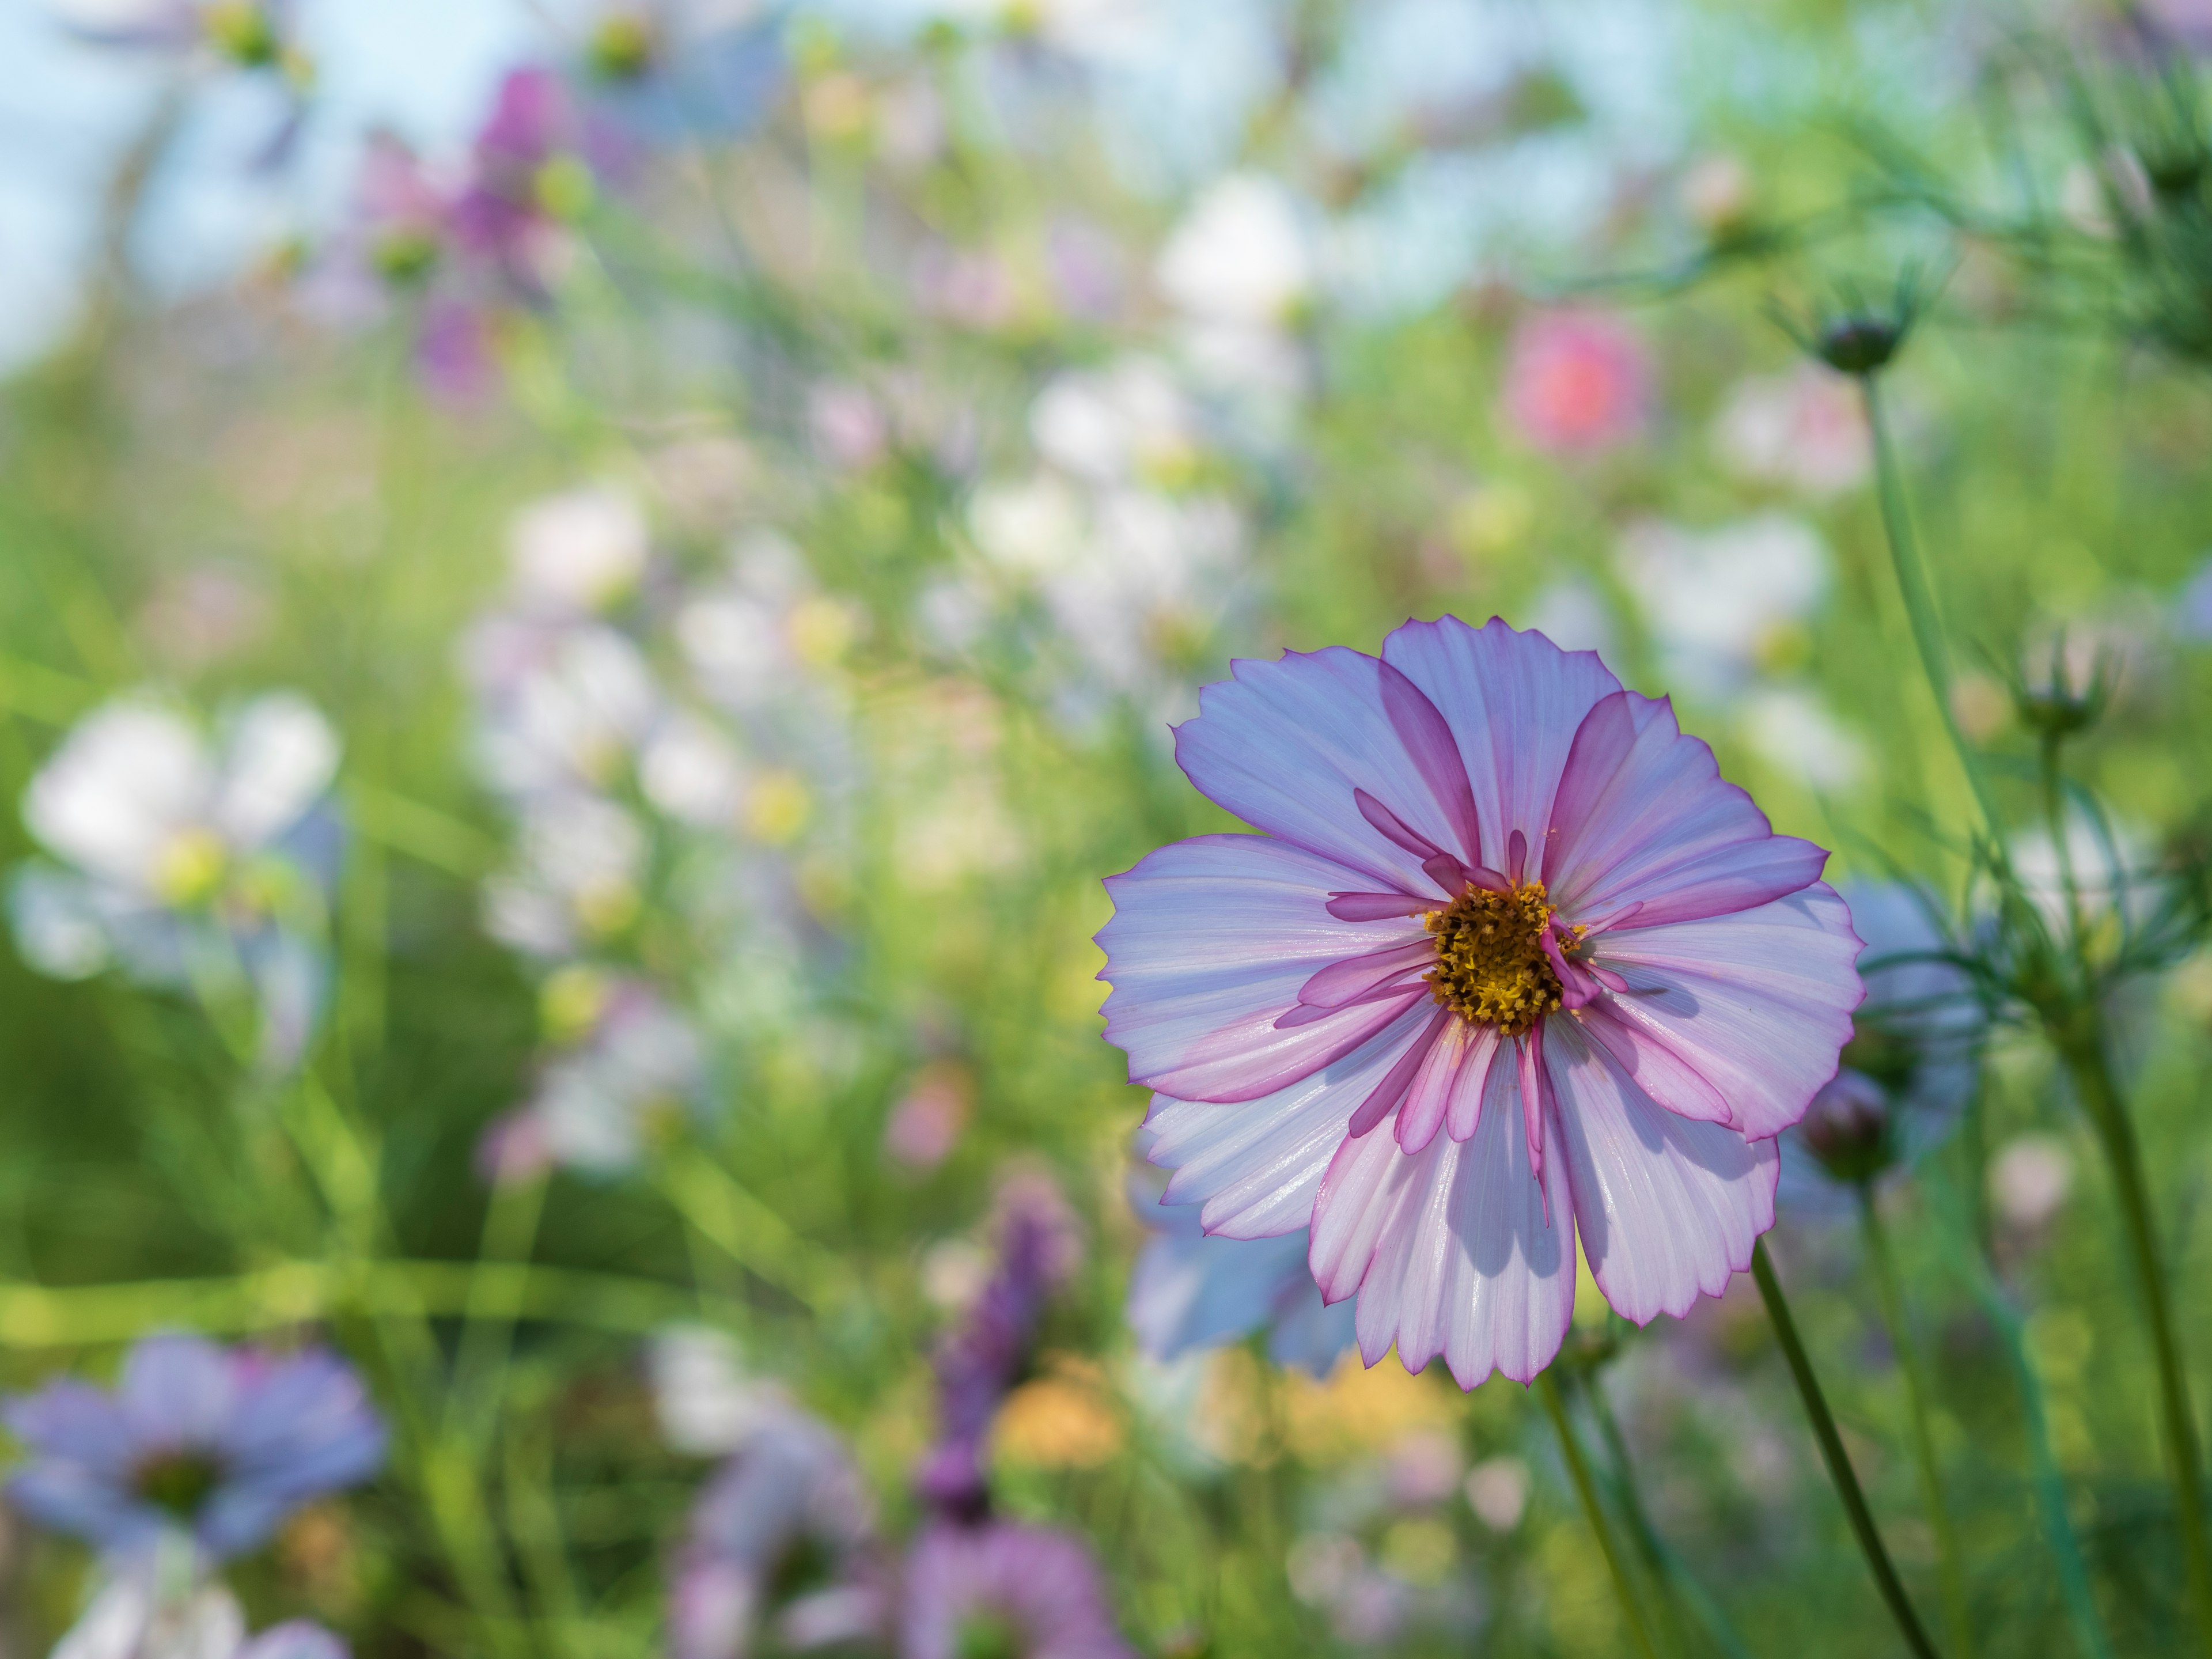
{"x":665,"y":743}
{"x":1121,"y":535}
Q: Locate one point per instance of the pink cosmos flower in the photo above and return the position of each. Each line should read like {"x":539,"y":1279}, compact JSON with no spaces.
{"x":1511,"y":965}
{"x":1576,"y":383}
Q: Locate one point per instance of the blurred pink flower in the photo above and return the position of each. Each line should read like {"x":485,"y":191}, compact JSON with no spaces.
{"x":1023,"y":1592}
{"x":925,"y":1125}
{"x":1577,"y":383}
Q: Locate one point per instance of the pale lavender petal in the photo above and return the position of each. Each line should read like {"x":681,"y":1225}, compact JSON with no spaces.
{"x":1374,"y":907}
{"x":1758,"y":1004}
{"x":1644,"y":816}
{"x":1210,"y":942}
{"x":1284,"y":744}
{"x":1255,"y":1167}
{"x":1514,"y":701}
{"x":1449,"y":1249}
{"x":177,"y":1390}
{"x":1660,"y":1071}
{"x":1465,"y":1109}
{"x":1667,"y":1208}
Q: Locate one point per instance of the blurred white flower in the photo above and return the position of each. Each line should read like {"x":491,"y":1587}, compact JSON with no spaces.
{"x":1723,"y":603}
{"x":1032,"y":528}
{"x":641,"y":1067}
{"x":1497,"y":1491}
{"x":561,"y":707}
{"x":195,"y":865}
{"x":134,"y":1616}
{"x":1127,"y":421}
{"x":578,"y":551}
{"x":1804,"y":429}
{"x":1241,"y":255}
{"x":1793,"y":732}
{"x":580,"y":863}
{"x":707,"y":1404}
{"x":2029,"y":1179}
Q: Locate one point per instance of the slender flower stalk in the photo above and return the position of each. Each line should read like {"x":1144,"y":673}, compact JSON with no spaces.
{"x":1631,"y":1608}
{"x":1919,"y":596}
{"x":2080,"y":1044}
{"x":1838,"y":1460}
{"x":1958,"y":1621}
{"x":1967,"y":1252}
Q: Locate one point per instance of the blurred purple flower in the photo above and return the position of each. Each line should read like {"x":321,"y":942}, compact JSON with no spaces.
{"x":1577,"y":383}
{"x":1010,"y":1591}
{"x":779,"y":1539}
{"x":985,"y":1355}
{"x":1189,"y":1291}
{"x":218,"y":1444}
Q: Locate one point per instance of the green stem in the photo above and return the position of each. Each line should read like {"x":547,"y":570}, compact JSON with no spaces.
{"x":1666,"y":1567}
{"x":510,"y":1235}
{"x":2081,"y":1045}
{"x":1838,"y":1460}
{"x":1950,"y":1570}
{"x":1578,"y":1471}
{"x":1919,"y":599}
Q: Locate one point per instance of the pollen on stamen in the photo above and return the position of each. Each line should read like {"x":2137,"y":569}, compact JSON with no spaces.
{"x":1491,"y":965}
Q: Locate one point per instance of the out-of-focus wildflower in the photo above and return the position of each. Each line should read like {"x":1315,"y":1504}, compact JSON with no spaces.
{"x":632,"y":1070}
{"x":778,"y":1545}
{"x":708,"y":1405}
{"x":1914,"y":1057}
{"x":1717,"y":194}
{"x":1239,"y":267}
{"x":1576,"y":383}
{"x":2029,"y":1179}
{"x":1511,"y":963}
{"x":1795,"y":733}
{"x":158,"y":1608}
{"x":984,"y":1355}
{"x":1722,"y":604}
{"x":1803,"y":429}
{"x":192,"y":864}
{"x":999,"y":1589}
{"x":1497,"y":1491}
{"x":925,"y":1124}
{"x":579,"y":551}
{"x":214,"y":1444}
{"x":1189,"y":1291}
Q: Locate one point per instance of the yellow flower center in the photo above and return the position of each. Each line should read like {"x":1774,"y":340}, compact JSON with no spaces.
{"x":190,"y":867}
{"x":1491,"y":966}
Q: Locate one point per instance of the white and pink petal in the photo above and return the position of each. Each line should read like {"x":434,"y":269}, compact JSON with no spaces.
{"x":1756,"y":1005}
{"x":1644,"y":817}
{"x":1667,"y":1208}
{"x":1453,"y":1250}
{"x":1211,"y":941}
{"x":1515,"y":702}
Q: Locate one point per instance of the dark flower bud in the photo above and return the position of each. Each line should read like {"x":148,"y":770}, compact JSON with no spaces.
{"x":1859,"y":344}
{"x":1848,"y":1128}
{"x":2055,"y":702}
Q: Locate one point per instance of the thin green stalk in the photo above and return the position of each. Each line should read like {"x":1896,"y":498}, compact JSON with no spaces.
{"x":1968,"y":1254}
{"x":1838,"y":1460}
{"x":1578,"y":1471}
{"x":1666,"y":1567}
{"x":1950,"y":1567}
{"x":2082,"y":1046}
{"x":1919,"y":599}
{"x":510,"y":1235}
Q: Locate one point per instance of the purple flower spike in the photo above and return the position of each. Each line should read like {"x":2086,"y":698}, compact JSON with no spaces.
{"x":1607,"y":987}
{"x":1022,"y":1592}
{"x":984,"y":1357}
{"x":220,"y":1445}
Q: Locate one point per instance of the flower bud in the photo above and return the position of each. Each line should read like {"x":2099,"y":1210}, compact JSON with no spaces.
{"x":1859,"y":344}
{"x":1848,"y":1128}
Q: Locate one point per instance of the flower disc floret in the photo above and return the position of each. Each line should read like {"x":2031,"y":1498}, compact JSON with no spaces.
{"x":1491,"y":966}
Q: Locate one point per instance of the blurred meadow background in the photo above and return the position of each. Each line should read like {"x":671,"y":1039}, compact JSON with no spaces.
{"x":588,"y":591}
